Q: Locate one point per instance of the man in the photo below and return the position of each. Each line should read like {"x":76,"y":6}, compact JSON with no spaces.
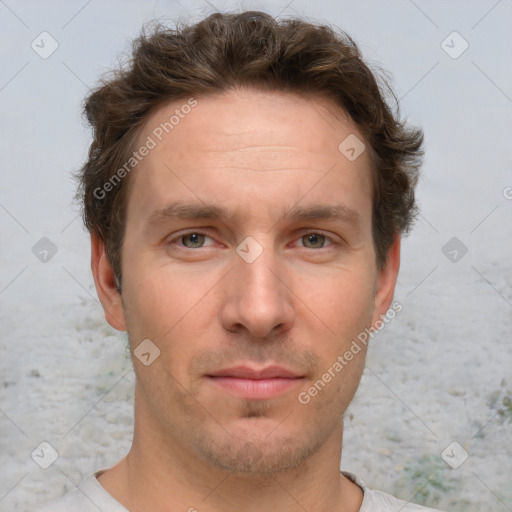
{"x":245,"y":192}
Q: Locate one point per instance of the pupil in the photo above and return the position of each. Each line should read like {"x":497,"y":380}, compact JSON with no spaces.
{"x":313,"y":240}
{"x":193,"y":240}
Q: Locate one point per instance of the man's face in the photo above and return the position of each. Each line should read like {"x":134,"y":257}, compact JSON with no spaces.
{"x":250,"y":308}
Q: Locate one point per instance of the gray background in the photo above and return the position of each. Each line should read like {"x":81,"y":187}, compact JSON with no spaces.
{"x":438,"y":374}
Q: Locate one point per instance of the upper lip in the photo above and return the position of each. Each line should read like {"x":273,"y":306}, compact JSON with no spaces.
{"x":245,"y":372}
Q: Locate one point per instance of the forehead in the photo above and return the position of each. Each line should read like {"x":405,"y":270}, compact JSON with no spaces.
{"x":239,"y":118}
{"x":248,"y":145}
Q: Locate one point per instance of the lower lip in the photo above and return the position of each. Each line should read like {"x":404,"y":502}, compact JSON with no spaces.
{"x":256,"y":389}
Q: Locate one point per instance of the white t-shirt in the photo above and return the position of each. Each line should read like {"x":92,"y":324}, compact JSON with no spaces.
{"x":90,"y":496}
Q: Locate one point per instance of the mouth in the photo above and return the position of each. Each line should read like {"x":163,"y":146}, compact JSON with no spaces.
{"x":256,"y":384}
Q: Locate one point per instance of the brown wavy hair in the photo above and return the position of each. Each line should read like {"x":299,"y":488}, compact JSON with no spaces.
{"x":249,"y":49}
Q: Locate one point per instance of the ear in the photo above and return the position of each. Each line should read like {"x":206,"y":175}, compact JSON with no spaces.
{"x":104,"y":280}
{"x":386,"y":281}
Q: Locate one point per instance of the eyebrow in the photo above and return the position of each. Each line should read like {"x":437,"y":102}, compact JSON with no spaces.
{"x":201,"y":211}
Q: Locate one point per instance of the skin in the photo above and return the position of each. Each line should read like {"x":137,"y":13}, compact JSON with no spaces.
{"x":299,"y":304}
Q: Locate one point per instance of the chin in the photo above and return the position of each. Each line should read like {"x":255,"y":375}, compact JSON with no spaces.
{"x":256,"y":447}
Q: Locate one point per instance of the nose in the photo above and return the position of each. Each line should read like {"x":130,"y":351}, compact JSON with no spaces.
{"x":257,"y":299}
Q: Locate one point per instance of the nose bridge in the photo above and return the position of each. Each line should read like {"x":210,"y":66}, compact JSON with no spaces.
{"x":259,"y":277}
{"x":257,"y":299}
{"x":256,"y":272}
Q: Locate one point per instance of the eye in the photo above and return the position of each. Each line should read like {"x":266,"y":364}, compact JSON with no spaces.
{"x":315,"y":241}
{"x":193,"y":240}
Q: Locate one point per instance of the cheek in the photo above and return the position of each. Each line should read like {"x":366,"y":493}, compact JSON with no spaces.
{"x":170,"y":308}
{"x":343,"y":300}
{"x":153,"y":307}
{"x":151,"y":304}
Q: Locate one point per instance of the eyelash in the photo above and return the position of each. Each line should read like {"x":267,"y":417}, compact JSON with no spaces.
{"x":183,"y":235}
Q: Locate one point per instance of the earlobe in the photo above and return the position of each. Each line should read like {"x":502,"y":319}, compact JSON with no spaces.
{"x":105,"y":282}
{"x":387,"y":280}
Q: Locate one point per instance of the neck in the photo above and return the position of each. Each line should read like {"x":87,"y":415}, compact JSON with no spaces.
{"x":159,"y":473}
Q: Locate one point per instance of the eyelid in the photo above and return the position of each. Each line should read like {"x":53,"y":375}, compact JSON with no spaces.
{"x":297,"y":236}
{"x":330,"y":238}
{"x":178,"y":236}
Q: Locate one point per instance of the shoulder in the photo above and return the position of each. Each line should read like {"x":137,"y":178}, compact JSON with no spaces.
{"x":378,"y":501}
{"x":383,"y":502}
{"x":89,"y":497}
{"x":73,"y":501}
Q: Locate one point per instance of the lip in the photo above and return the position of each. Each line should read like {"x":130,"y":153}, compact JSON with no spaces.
{"x":255,"y":384}
{"x":246,"y":372}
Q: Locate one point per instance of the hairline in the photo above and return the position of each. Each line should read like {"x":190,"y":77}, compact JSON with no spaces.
{"x":339,"y":113}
